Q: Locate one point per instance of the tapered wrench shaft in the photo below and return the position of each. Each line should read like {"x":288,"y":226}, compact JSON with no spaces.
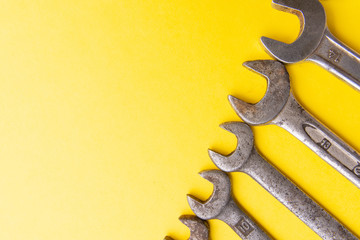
{"x":247,"y":160}
{"x":338,"y":59}
{"x":308,"y":211}
{"x":319,"y":139}
{"x":244,"y":226}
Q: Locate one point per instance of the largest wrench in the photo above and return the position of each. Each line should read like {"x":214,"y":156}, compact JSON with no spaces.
{"x":315,"y":43}
{"x":279,"y":107}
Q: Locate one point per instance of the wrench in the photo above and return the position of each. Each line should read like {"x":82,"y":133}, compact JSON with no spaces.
{"x":246,"y":159}
{"x":199,"y":229}
{"x":315,"y":43}
{"x":222,"y":206}
{"x":279,"y":107}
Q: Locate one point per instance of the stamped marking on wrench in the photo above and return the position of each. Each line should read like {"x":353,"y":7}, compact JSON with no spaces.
{"x":222,"y":206}
{"x":334,"y":56}
{"x":244,"y":227}
{"x":246,"y":159}
{"x":315,"y":43}
{"x":199,"y":229}
{"x":280,"y":108}
{"x":357,"y":170}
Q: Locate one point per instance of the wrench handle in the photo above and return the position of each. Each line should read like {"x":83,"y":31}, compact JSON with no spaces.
{"x":320,"y":140}
{"x":338,"y":59}
{"x":300,"y":204}
{"x":241,"y":223}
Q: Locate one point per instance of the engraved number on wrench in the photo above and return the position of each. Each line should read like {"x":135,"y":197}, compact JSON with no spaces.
{"x":334,"y":149}
{"x":244,"y":227}
{"x":334,"y":56}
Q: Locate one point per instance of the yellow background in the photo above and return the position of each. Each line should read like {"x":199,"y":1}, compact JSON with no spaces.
{"x":108,"y":108}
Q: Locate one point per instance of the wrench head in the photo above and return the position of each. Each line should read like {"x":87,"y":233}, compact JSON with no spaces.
{"x":313,"y":26}
{"x":245,"y":144}
{"x":199,"y":229}
{"x":276,"y":96}
{"x":221,"y":195}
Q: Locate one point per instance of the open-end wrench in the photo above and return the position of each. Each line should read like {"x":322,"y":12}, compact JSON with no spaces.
{"x":222,"y":206}
{"x":246,"y":159}
{"x":280,"y":108}
{"x":315,"y":43}
{"x":199,"y":229}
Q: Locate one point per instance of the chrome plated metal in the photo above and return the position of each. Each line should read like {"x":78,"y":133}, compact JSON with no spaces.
{"x":315,"y":42}
{"x":280,"y":108}
{"x":199,"y":229}
{"x":222,"y":206}
{"x":246,"y":159}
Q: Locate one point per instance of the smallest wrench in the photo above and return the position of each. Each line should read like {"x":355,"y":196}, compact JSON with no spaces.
{"x":199,"y":229}
{"x":221,"y":205}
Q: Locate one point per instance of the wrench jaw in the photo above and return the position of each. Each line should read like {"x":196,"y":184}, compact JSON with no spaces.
{"x":221,"y":195}
{"x":312,"y":18}
{"x":245,"y":143}
{"x":289,"y":7}
{"x":199,"y":229}
{"x":276,"y":96}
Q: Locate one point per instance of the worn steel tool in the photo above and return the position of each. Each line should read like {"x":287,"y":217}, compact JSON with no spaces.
{"x":279,"y":107}
{"x":315,"y":42}
{"x":199,"y":229}
{"x":222,"y":206}
{"x":246,"y":159}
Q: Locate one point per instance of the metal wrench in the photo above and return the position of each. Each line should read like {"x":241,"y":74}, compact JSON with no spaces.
{"x":315,"y":43}
{"x":280,"y":108}
{"x":199,"y":229}
{"x":246,"y":159}
{"x":222,"y":206}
